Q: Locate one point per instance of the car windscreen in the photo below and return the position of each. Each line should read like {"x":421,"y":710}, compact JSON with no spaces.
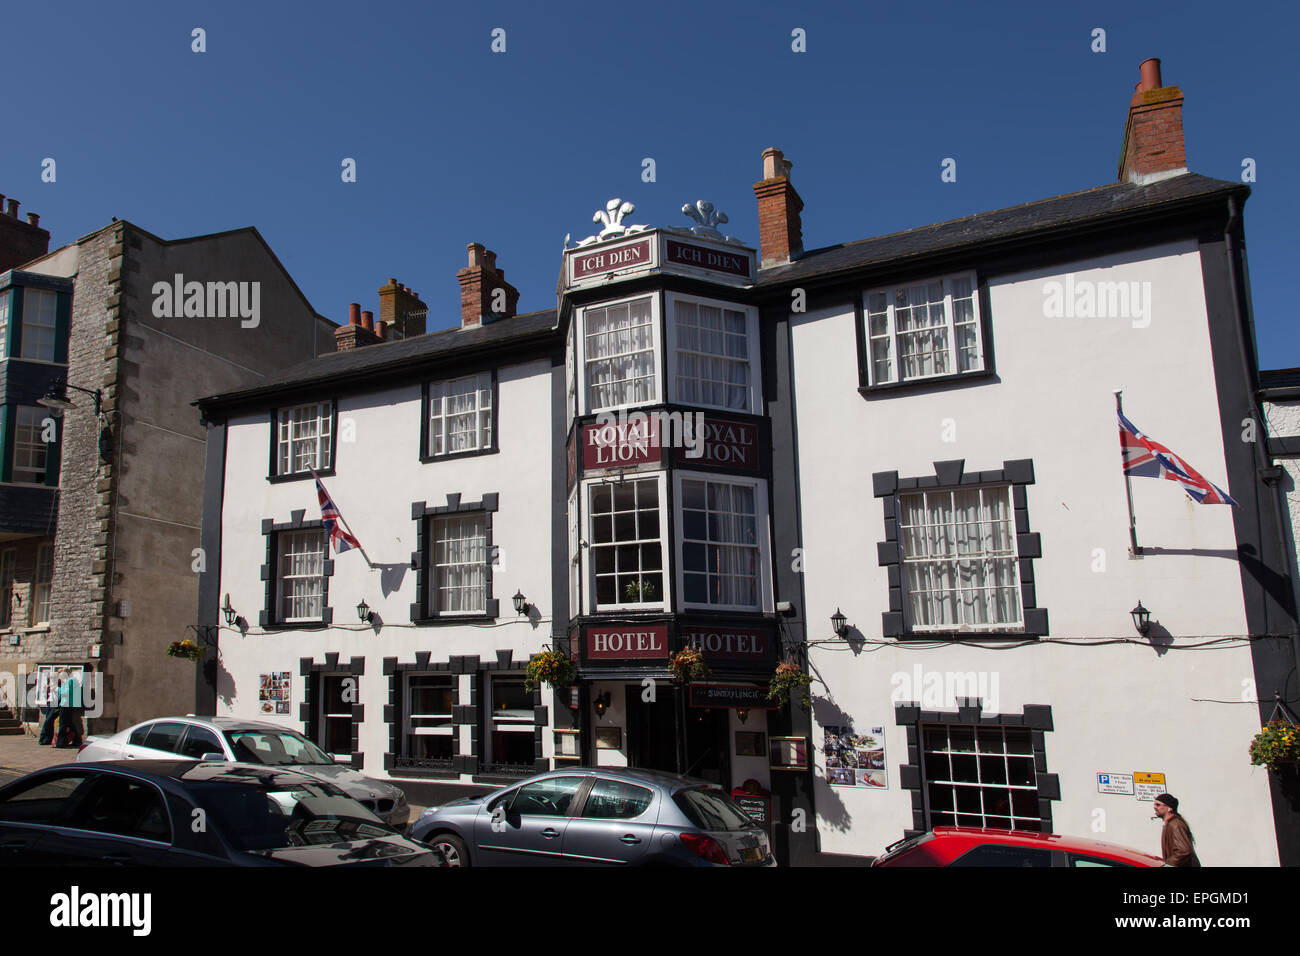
{"x":276,"y":748}
{"x":276,"y":816}
{"x":712,"y":810}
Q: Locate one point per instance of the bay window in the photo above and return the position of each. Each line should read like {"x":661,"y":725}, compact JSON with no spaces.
{"x":38,"y":334}
{"x":923,"y":330}
{"x":713,"y":348}
{"x":626,"y":543}
{"x":619,"y":345}
{"x":723,"y":542}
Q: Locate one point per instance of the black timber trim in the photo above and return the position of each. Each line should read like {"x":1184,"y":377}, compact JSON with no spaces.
{"x":271,"y":474}
{"x":948,"y":476}
{"x":1037,"y":718}
{"x":307,"y":712}
{"x":395,"y":715}
{"x":491,"y":449}
{"x":424,"y":516}
{"x":271,"y":531}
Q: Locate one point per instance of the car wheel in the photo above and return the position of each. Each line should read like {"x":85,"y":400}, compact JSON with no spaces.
{"x":452,"y":848}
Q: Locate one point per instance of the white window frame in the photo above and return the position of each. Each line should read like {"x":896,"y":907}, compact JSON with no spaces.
{"x":588,"y":547}
{"x":42,"y":585}
{"x":31,"y":322}
{"x":410,"y":729}
{"x":431,"y":596}
{"x":484,"y":414}
{"x":29,"y":448}
{"x":656,"y":329}
{"x":575,"y":554}
{"x":283,"y":542}
{"x":514,"y":724}
{"x":6,"y":313}
{"x":753,"y":401}
{"x":1012,"y":554}
{"x":929,"y":777}
{"x":762,"y":525}
{"x":8,"y":577}
{"x":324,"y":438}
{"x":891,"y":330}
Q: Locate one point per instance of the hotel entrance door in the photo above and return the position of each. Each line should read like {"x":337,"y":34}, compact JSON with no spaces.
{"x":652,"y":729}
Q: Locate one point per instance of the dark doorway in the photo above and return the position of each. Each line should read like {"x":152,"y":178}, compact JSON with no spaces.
{"x":708,"y":747}
{"x":652,"y":729}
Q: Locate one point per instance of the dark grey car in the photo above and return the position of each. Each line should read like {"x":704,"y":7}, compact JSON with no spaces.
{"x":607,"y":816}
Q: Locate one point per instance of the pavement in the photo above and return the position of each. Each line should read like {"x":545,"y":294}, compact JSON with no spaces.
{"x":21,"y":755}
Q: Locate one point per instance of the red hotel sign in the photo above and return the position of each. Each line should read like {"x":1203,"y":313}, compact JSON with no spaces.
{"x":733,"y":444}
{"x":627,"y":642}
{"x":730,"y":643}
{"x":586,"y":265}
{"x":702,"y":257}
{"x":633,"y":442}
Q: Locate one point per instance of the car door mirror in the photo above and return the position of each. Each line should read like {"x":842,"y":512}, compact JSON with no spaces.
{"x":212,"y":756}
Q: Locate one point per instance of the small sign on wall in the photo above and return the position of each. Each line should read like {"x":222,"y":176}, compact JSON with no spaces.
{"x":1149,"y":785}
{"x":273,"y":693}
{"x":1120,"y":783}
{"x":855,"y":760}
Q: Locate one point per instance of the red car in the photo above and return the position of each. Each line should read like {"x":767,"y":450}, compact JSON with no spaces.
{"x":975,"y":846}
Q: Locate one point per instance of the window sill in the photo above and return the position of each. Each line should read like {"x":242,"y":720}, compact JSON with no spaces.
{"x":453,"y":456}
{"x":300,"y":476}
{"x":920,"y":384}
{"x":453,"y":619}
{"x":296,"y":626}
{"x":1002,"y":634}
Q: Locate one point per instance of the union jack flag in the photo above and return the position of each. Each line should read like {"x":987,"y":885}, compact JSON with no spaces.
{"x":1145,"y":458}
{"x":330,"y":518}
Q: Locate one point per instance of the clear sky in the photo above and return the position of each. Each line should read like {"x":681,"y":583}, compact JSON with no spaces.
{"x":455,"y":143}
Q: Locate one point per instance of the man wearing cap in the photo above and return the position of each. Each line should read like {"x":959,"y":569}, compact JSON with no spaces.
{"x":1176,"y":842}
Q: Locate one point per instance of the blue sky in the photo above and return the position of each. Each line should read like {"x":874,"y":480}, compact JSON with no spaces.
{"x":455,"y":143}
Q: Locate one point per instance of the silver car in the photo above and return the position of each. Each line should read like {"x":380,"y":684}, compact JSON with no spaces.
{"x":606,"y":816}
{"x":249,"y":741}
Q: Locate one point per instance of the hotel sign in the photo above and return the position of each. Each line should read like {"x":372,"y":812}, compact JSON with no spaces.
{"x":729,"y":643}
{"x":618,"y":444}
{"x":627,"y":642}
{"x":727,"y":443}
{"x":601,"y":260}
{"x":712,"y":260}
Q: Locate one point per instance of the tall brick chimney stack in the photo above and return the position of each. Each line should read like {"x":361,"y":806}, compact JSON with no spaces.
{"x":400,"y":308}
{"x":20,"y":241}
{"x":1153,"y":137}
{"x":479,"y":282}
{"x":780,"y":228}
{"x":357,"y":333}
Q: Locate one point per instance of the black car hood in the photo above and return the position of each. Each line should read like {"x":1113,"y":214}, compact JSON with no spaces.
{"x":385,"y":851}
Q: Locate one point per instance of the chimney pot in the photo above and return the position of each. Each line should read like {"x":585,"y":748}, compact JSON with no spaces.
{"x":354,"y":313}
{"x":33,"y":219}
{"x":476,"y":252}
{"x":779,"y":207}
{"x":368,"y":321}
{"x":381,"y":330}
{"x":1150,"y":70}
{"x":490,"y":259}
{"x":12,"y":209}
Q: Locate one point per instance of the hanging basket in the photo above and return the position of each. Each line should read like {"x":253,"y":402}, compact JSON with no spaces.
{"x":548,"y":667}
{"x":688,"y":665}
{"x":788,"y":680}
{"x":186,"y":650}
{"x":1277,"y":747}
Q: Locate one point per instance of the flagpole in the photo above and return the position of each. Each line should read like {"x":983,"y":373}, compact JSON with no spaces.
{"x":1128,"y":482}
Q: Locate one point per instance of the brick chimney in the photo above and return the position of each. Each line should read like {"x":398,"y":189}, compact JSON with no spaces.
{"x":358,"y":332}
{"x":1153,"y":137}
{"x":401,"y":309}
{"x":780,"y":229}
{"x":479,"y":282}
{"x":20,"y":241}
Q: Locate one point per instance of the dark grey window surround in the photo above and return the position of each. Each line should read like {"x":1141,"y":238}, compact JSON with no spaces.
{"x":466,"y":713}
{"x":952,"y":474}
{"x":313,"y":673}
{"x":492,"y":448}
{"x":506,"y":666}
{"x":989,"y":370}
{"x":274,"y":461}
{"x":422,"y":514}
{"x":1036,"y":717}
{"x":267,"y":617}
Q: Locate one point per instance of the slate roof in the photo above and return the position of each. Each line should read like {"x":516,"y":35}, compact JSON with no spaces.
{"x":401,"y":353}
{"x":1072,"y":209}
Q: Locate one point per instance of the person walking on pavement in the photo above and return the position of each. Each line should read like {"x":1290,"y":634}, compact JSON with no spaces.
{"x":70,"y":732}
{"x":1176,"y":840}
{"x":47,"y":696}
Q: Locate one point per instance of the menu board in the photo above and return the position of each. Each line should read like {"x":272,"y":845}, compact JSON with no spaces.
{"x":855,"y":760}
{"x":273,"y":693}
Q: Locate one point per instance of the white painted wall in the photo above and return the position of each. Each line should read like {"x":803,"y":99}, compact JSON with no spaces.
{"x":377,"y":478}
{"x":1117,"y":708}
